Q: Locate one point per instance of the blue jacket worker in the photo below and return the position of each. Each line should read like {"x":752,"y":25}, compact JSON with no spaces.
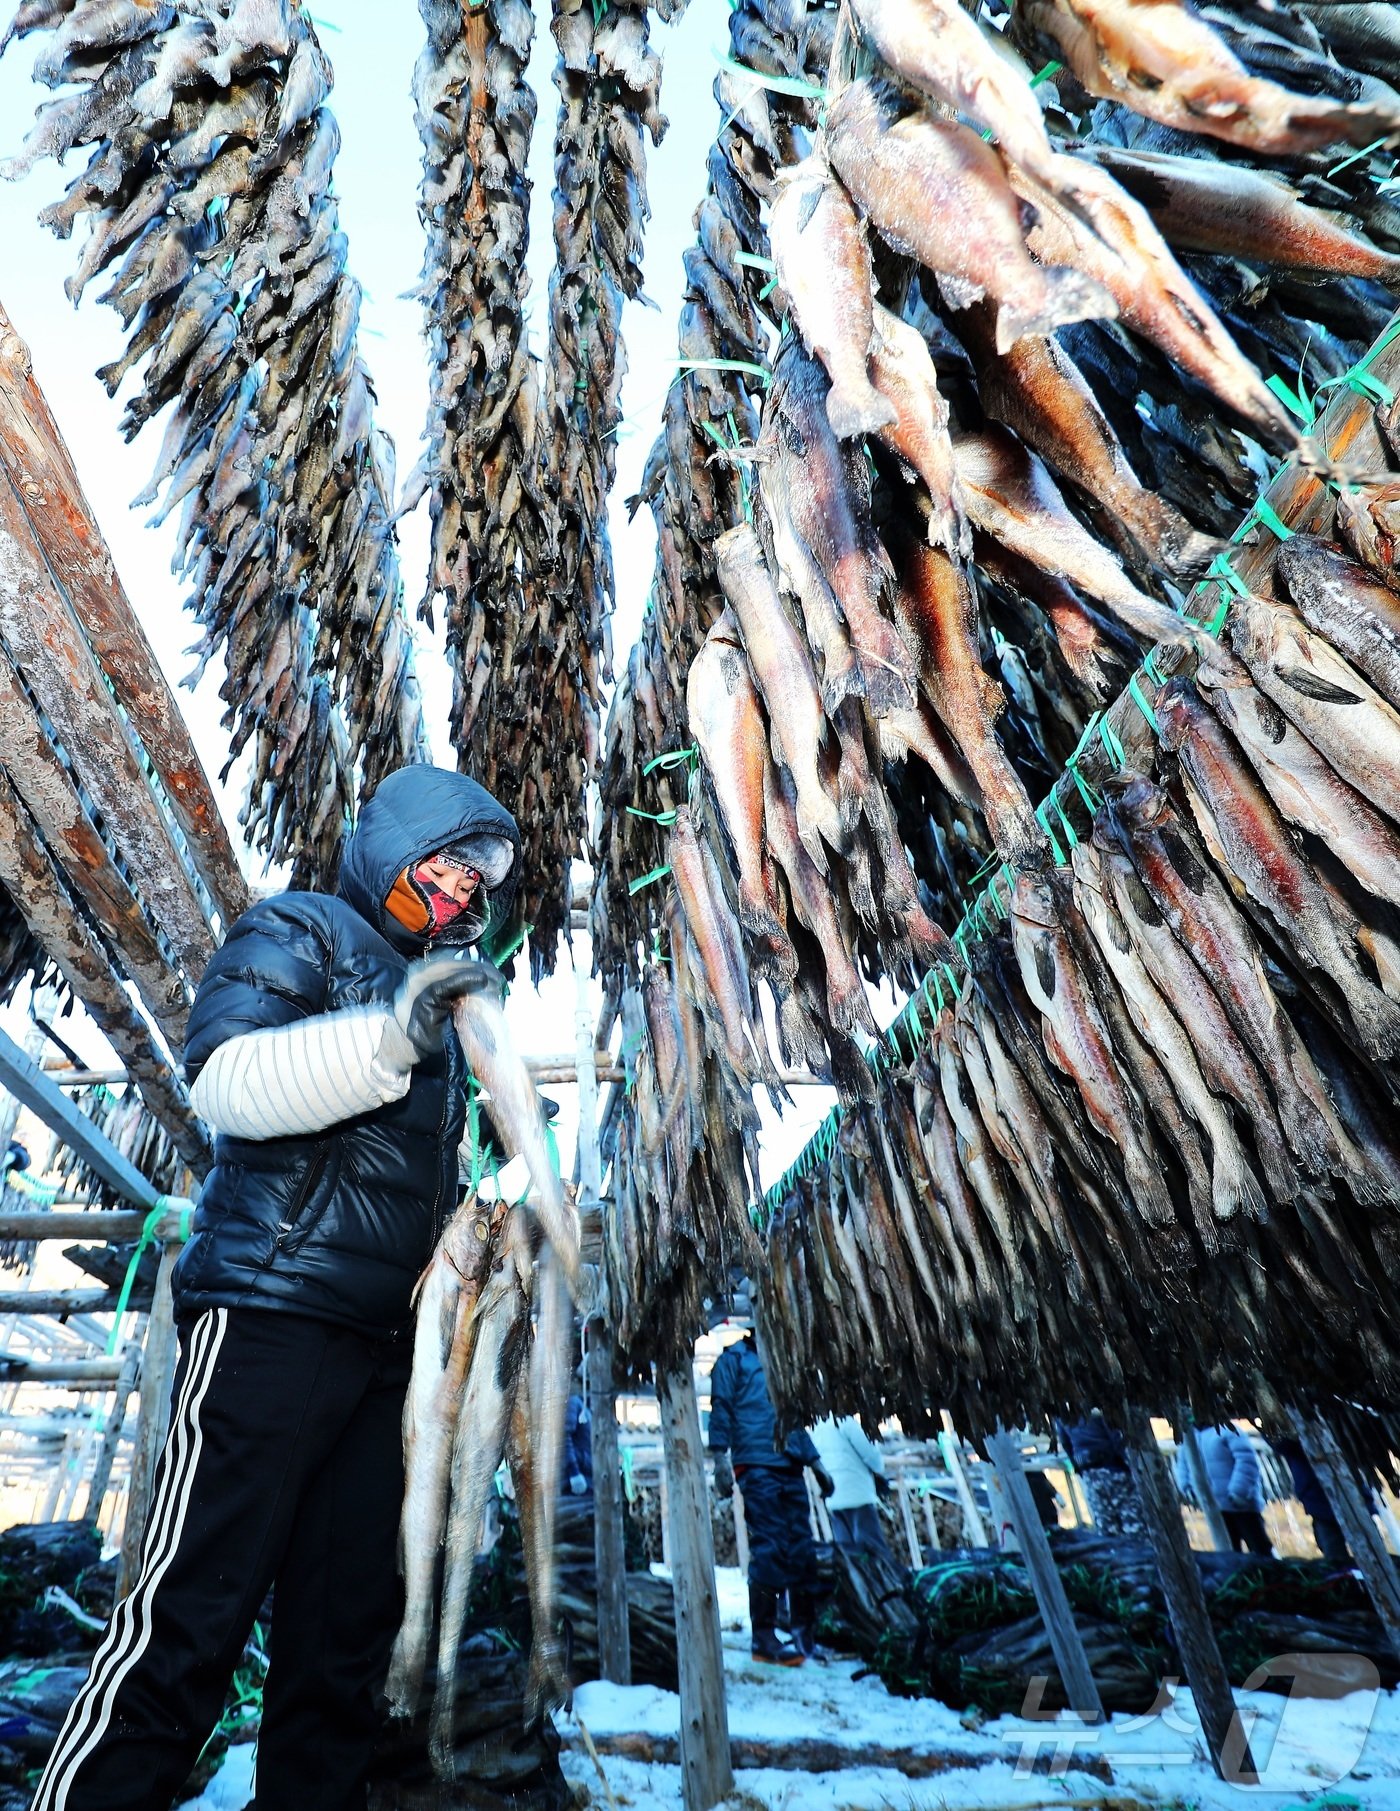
{"x":743,"y":1433}
{"x":321,"y":1052}
{"x":1232,"y":1469}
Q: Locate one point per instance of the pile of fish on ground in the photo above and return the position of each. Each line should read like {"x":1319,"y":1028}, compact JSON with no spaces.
{"x":966,"y":1628}
{"x":208,"y":192}
{"x":491,"y":1364}
{"x":905,"y":644}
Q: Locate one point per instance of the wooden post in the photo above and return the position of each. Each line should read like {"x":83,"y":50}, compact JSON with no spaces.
{"x":157,"y":1374}
{"x":707,"y":1775}
{"x":609,"y":1510}
{"x":906,"y":1518}
{"x":1200,"y":1482}
{"x":1338,"y":1480}
{"x":1066,"y":1643}
{"x":930,"y":1520}
{"x":957,"y":1471}
{"x":112,"y":1433}
{"x":1186,"y":1602}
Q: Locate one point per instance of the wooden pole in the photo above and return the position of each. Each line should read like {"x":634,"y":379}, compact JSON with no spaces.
{"x":33,"y":880}
{"x":609,"y":1510}
{"x":112,"y":1225}
{"x":60,"y":1302}
{"x":906,"y":1520}
{"x":1338,"y":1479}
{"x":957,"y":1471}
{"x":157,"y":1374}
{"x":112,"y":1432}
{"x":1200,"y":1482}
{"x":930,"y":1520}
{"x":1186,"y":1603}
{"x":707,"y":1775}
{"x":1066,"y":1643}
{"x":70,"y":1373}
{"x":36,"y":458}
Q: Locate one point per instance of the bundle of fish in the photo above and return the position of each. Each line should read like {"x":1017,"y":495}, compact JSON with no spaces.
{"x":129,"y":1125}
{"x":208,"y":188}
{"x":487,"y":1383}
{"x":697,"y":476}
{"x":684,"y":1164}
{"x":1136,"y":1150}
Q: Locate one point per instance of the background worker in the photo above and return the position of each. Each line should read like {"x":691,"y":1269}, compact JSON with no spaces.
{"x":782,"y":1557}
{"x":852,"y":1461}
{"x":1232,"y":1468}
{"x":321,"y":1051}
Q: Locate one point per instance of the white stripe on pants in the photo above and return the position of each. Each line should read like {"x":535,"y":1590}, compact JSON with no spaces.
{"x":130,"y":1628}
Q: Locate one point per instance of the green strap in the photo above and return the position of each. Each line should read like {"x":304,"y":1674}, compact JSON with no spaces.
{"x":148,"y":1235}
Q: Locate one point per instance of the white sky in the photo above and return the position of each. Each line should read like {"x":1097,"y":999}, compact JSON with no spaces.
{"x":373,"y":48}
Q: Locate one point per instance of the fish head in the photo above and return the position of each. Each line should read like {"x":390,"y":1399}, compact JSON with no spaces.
{"x":1138,"y":801}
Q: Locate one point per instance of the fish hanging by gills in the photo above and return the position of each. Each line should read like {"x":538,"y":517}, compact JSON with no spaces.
{"x":783,"y":668}
{"x":1239,"y":825}
{"x":823,"y":265}
{"x":1203,"y":204}
{"x":1161,"y":59}
{"x":939,"y":193}
{"x":726,"y":720}
{"x":445,"y":1301}
{"x":1036,"y":390}
{"x":515,"y":1111}
{"x":1342,"y":603}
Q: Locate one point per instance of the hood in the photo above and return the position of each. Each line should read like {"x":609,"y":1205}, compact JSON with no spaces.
{"x":415,"y":812}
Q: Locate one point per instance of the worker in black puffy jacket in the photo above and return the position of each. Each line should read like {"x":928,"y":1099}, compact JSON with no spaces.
{"x":320,"y":1049}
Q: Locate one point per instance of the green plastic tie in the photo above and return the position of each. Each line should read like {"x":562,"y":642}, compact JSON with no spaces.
{"x":1042,"y":817}
{"x":1135,"y":692}
{"x":1112,"y":747}
{"x":1297,"y":402}
{"x":726,"y":364}
{"x":655,"y":817}
{"x":1265,"y":512}
{"x":148,"y":1234}
{"x":1376,"y":144}
{"x":646,"y":880}
{"x":674,"y":757}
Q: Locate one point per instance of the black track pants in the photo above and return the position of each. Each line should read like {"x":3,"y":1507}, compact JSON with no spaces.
{"x":284,"y":1464}
{"x":778,"y":1518}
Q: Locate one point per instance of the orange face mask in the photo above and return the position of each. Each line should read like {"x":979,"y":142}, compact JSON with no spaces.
{"x":420,"y":906}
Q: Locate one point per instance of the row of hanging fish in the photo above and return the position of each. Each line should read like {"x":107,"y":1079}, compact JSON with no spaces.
{"x":492,"y":1358}
{"x":136,"y":1134}
{"x":207,"y":194}
{"x":1147,"y":1096}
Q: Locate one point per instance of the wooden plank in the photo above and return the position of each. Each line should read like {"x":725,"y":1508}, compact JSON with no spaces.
{"x":906,"y":1520}
{"x":707,"y":1775}
{"x":1066,"y":1643}
{"x":1337,"y":1478}
{"x":24,"y":1078}
{"x":1186,"y":1603}
{"x":1200,"y":1483}
{"x":957,"y":1471}
{"x":35,"y":456}
{"x":60,"y":1302}
{"x":157,"y":1375}
{"x":930,"y":1520}
{"x":32,"y":879}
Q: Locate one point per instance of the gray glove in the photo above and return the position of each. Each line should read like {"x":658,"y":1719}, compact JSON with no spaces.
{"x":724,"y":1474}
{"x":430,"y":989}
{"x":578,"y":1485}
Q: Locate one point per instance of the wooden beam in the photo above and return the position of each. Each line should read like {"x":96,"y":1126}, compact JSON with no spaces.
{"x":33,"y":881}
{"x":157,"y":1375}
{"x":112,"y":1225}
{"x":112,"y":1432}
{"x":37,"y":777}
{"x":24,"y":1078}
{"x":1200,"y":1483}
{"x":1378,"y":1570}
{"x":75,"y":1373}
{"x":957,"y":1471}
{"x":707,"y":1774}
{"x":1186,"y":1603}
{"x":45,"y":642}
{"x":1066,"y":1643}
{"x":36,"y":458}
{"x":609,"y":1536}
{"x":60,"y":1302}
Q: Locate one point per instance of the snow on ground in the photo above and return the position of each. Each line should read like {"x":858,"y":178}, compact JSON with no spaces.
{"x":1346,"y":1750}
{"x":1339,"y":1753}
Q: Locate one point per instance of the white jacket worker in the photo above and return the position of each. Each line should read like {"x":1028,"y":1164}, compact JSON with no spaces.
{"x":858,"y":1474}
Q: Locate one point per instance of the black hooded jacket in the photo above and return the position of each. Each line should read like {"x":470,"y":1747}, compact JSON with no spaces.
{"x":337,"y":1224}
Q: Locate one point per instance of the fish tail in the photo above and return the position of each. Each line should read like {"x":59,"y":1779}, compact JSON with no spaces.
{"x":1234,"y":1186}
{"x":818,"y":821}
{"x":848,"y":1004}
{"x":886,"y":685}
{"x":841,"y":680}
{"x":405,"y":1679}
{"x":1069,"y":295}
{"x":855,"y":409}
